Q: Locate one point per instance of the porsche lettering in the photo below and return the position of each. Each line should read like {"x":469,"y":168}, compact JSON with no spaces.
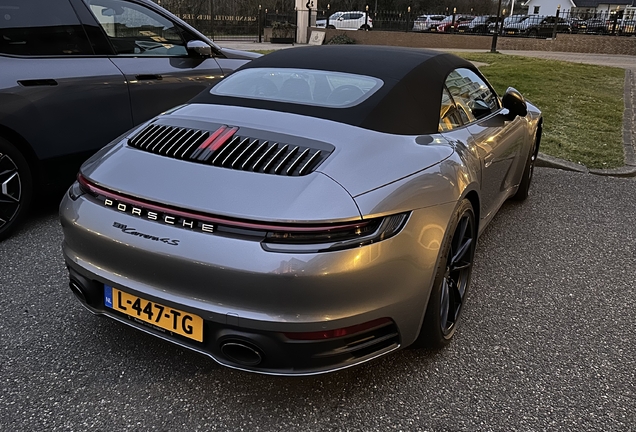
{"x":165,"y":218}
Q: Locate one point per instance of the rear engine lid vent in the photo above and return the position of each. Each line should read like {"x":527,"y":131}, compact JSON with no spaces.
{"x":226,"y":147}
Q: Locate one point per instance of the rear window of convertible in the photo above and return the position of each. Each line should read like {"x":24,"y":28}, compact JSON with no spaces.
{"x":299,"y":86}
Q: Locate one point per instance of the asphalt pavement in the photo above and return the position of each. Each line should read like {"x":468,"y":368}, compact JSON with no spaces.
{"x":546,"y":343}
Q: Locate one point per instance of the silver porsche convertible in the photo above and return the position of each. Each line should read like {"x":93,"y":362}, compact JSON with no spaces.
{"x":314,"y":210}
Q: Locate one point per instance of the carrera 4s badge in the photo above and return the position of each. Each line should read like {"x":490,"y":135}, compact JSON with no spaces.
{"x":132,"y":231}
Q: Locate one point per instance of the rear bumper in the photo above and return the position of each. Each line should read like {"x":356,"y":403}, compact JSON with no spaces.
{"x":244,"y":293}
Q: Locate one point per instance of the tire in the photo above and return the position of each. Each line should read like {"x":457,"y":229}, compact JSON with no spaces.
{"x":16,"y":188}
{"x":331,"y":27}
{"x":524,"y":187}
{"x":533,"y":33}
{"x":365,"y":27}
{"x":448,"y":293}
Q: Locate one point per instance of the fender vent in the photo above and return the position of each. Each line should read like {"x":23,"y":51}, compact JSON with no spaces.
{"x":225,"y":148}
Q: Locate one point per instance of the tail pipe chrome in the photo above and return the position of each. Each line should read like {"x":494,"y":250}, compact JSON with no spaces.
{"x":241,"y":353}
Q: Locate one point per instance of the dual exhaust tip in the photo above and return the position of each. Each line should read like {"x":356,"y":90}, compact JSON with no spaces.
{"x":235,"y":350}
{"x":241,"y":352}
{"x":77,"y":290}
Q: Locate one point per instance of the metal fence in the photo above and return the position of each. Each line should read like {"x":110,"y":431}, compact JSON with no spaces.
{"x":238,"y":21}
{"x":537,"y":26}
{"x":227,"y":21}
{"x":271,"y":18}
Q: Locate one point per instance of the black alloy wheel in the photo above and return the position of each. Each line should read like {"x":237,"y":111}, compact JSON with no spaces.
{"x":457,"y":273}
{"x":452,"y":280}
{"x":15,"y":188}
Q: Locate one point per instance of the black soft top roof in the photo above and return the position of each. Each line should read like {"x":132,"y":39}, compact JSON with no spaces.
{"x":407,"y":104}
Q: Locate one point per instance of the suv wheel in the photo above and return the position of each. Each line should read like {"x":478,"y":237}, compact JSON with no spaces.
{"x":16,"y":188}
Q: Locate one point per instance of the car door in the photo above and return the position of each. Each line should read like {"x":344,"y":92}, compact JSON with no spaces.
{"x":497,"y":139}
{"x":344,"y":21}
{"x":357,"y":20}
{"x":150,"y":50}
{"x":55,"y":92}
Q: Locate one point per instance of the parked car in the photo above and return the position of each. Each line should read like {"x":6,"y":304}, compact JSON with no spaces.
{"x":478,"y":24}
{"x":425,"y":23}
{"x":303,"y":215}
{"x":626,"y":27}
{"x":76,"y":74}
{"x":577,"y":25}
{"x":447,"y":24}
{"x":592,"y":25}
{"x":355,"y":20}
{"x":536,"y":25}
{"x":506,"y":22}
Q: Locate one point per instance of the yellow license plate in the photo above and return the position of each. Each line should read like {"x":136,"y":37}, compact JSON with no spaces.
{"x":167,"y":318}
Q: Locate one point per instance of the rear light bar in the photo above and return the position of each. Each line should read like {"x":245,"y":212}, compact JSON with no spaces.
{"x":298,"y":238}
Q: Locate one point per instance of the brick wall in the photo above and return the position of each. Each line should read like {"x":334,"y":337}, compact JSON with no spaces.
{"x":563,"y":43}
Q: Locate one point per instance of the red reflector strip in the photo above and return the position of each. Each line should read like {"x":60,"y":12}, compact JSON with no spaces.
{"x":207,"y":142}
{"x":331,"y":334}
{"x":218,"y":142}
{"x":212,"y":137}
{"x":223,"y":139}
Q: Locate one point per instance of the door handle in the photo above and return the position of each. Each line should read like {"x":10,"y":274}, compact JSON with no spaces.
{"x":147,"y":77}
{"x":37,"y":82}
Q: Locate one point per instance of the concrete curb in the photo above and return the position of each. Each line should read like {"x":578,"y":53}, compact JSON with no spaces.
{"x":547,"y":161}
{"x":629,"y":119}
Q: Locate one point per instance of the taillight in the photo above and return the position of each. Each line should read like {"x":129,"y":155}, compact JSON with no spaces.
{"x":324,"y":239}
{"x":76,"y":191}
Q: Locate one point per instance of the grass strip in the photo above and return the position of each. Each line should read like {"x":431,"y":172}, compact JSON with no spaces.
{"x":582,"y":104}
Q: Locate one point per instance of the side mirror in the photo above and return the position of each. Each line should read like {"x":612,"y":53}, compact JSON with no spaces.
{"x":199,"y":48}
{"x":514,"y":102}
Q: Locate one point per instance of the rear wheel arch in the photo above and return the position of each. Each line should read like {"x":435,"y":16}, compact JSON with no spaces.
{"x":429,"y":333}
{"x":473,"y":197}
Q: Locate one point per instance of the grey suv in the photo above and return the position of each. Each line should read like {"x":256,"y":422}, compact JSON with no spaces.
{"x":78,"y":73}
